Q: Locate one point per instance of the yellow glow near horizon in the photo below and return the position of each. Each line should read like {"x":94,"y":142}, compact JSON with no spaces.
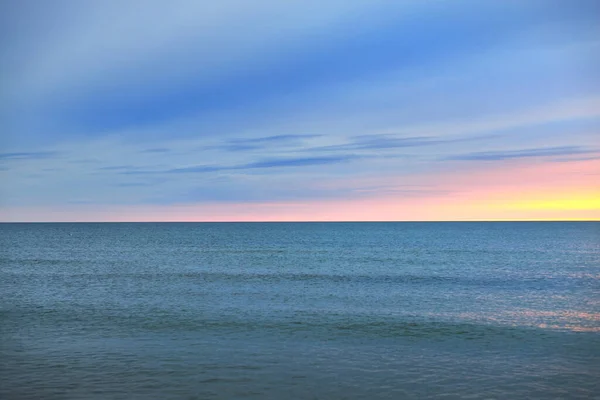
{"x":565,"y":202}
{"x":482,"y":206}
{"x":534,"y":192}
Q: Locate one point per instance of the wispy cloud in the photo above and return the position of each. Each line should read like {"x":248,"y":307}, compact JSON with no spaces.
{"x":268,"y":163}
{"x":573,"y":159}
{"x":117,"y":168}
{"x":156,"y":150}
{"x":261,"y":143}
{"x":273,"y":139}
{"x":298,"y":162}
{"x":525,"y":153}
{"x":194,"y":169}
{"x":377,"y":142}
{"x":134,"y":184}
{"x":272,"y":163}
{"x":33,"y":155}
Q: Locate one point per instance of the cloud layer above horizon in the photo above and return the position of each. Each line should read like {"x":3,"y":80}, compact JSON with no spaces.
{"x":299,"y":110}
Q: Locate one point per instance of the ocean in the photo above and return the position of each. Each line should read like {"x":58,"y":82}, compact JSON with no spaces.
{"x":477,"y":310}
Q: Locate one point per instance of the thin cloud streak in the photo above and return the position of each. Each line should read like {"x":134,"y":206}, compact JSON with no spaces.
{"x":261,"y":164}
{"x":272,"y":163}
{"x":261,"y":143}
{"x":156,"y":150}
{"x":32,"y":155}
{"x":526,"y":153}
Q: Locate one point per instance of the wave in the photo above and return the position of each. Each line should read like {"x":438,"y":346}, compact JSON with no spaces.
{"x":72,"y":271}
{"x":327,"y":326}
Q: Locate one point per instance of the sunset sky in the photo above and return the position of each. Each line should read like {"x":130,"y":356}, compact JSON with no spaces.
{"x":187,"y":110}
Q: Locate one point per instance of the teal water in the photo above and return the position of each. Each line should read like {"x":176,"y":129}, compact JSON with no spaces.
{"x":300,"y":310}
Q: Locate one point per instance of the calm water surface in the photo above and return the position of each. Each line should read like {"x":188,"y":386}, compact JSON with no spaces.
{"x":300,"y":310}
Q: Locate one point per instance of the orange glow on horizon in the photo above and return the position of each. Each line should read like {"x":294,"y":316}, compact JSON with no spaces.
{"x":534,"y":192}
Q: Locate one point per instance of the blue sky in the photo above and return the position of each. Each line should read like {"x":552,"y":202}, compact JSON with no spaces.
{"x":141,"y":103}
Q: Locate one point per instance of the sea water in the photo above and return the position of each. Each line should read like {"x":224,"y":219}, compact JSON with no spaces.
{"x":300,"y":310}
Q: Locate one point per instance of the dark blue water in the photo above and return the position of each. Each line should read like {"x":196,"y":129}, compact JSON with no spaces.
{"x":300,"y":310}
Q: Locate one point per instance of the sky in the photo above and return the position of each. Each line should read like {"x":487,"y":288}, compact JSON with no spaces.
{"x":349,"y":110}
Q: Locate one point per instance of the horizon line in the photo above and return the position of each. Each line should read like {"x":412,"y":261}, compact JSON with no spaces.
{"x":298,"y":222}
